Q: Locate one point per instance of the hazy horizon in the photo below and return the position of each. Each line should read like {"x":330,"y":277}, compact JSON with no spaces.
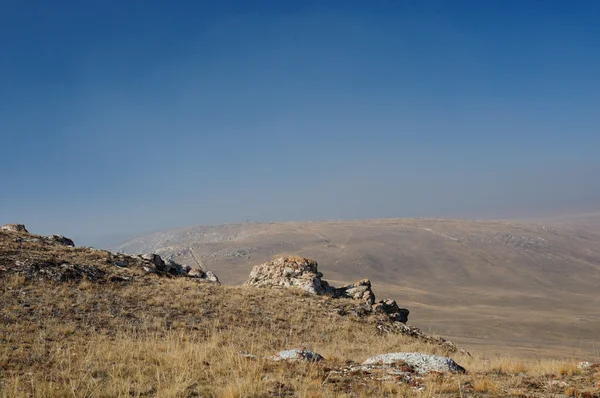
{"x":118,"y":119}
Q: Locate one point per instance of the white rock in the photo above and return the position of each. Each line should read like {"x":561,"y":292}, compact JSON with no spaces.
{"x":422,"y":363}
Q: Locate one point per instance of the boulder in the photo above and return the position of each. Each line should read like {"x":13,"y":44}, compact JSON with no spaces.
{"x":421,"y":363}
{"x":289,"y":272}
{"x":14,"y":228}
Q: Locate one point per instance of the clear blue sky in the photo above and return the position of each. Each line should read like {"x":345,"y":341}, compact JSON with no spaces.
{"x":128,"y":116}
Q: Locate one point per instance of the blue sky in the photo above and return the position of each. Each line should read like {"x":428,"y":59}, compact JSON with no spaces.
{"x":123,"y":117}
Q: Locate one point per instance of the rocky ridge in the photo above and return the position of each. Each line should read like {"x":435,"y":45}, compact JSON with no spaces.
{"x":77,"y":263}
{"x":303,"y":273}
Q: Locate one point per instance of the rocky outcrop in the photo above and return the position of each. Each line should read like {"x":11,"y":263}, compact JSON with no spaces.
{"x":70,"y":263}
{"x":303,"y":273}
{"x":14,"y":228}
{"x":157,"y":264}
{"x":289,"y":272}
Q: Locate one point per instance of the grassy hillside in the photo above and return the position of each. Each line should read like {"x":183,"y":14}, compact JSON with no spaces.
{"x":107,"y":331}
{"x":526,"y":288}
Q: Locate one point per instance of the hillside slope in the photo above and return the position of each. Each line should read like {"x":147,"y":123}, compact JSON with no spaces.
{"x":506,"y":286}
{"x":84,"y":322}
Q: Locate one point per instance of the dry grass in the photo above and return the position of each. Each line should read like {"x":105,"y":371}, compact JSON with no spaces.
{"x":181,"y":338}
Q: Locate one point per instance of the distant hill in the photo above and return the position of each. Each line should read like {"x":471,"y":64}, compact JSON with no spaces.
{"x":526,"y":287}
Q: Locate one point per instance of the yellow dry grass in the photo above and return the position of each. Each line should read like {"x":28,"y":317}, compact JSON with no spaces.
{"x":176,"y":337}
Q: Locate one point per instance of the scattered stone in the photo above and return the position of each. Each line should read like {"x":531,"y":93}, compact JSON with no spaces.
{"x":297,"y":355}
{"x":421,"y":363}
{"x":14,"y":228}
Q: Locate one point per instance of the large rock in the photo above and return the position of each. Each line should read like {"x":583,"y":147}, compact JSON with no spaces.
{"x":289,"y":272}
{"x":14,"y":228}
{"x":421,"y":363}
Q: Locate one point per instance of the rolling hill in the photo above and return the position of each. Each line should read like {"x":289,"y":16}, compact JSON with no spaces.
{"x":529,"y":288}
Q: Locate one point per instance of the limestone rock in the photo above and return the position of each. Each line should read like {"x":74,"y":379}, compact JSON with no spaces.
{"x":14,"y":228}
{"x":288,"y":272}
{"x":297,"y":355}
{"x":421,"y":363}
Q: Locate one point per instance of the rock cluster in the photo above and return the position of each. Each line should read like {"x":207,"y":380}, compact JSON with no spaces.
{"x":90,"y":263}
{"x":155,"y":263}
{"x":302,"y":273}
